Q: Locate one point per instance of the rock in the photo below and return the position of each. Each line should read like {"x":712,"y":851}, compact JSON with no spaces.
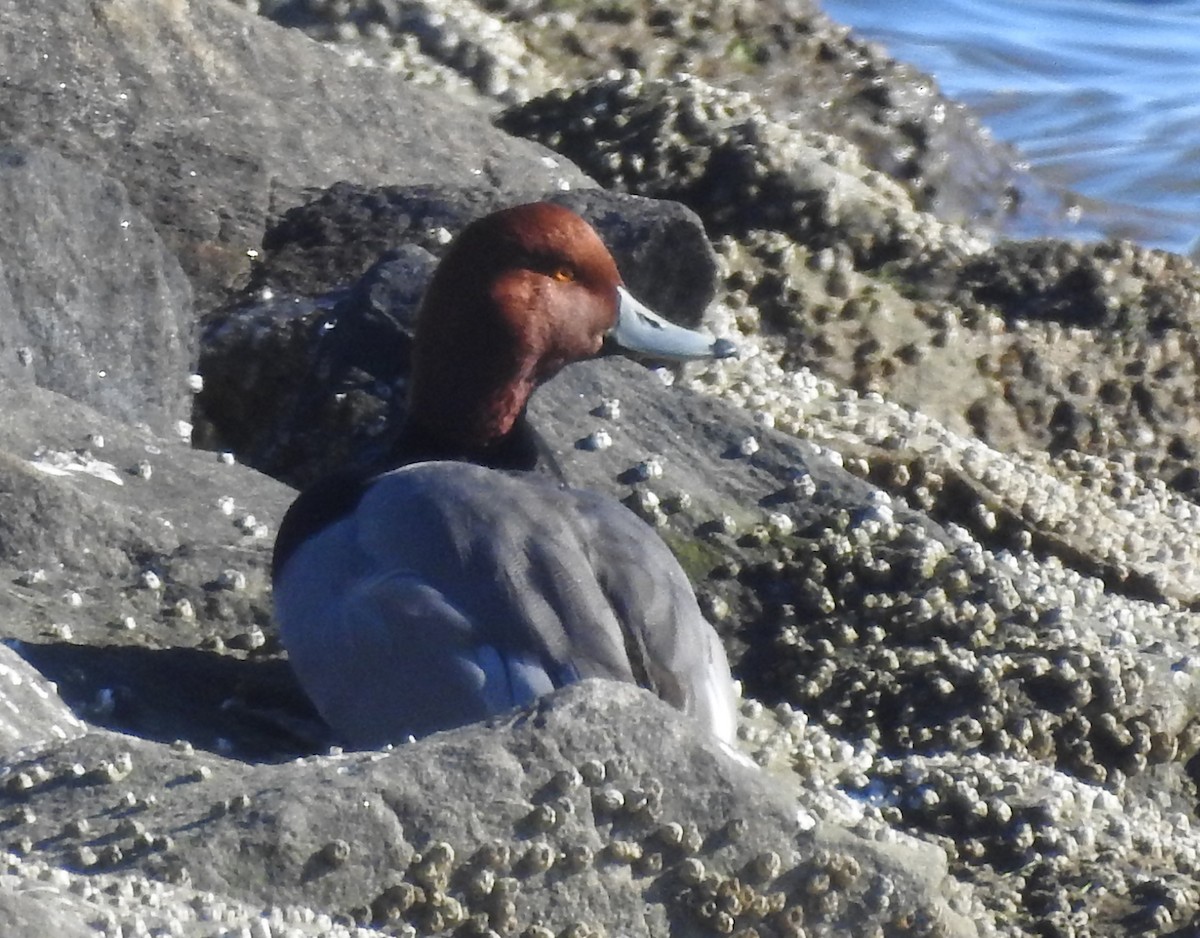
{"x":138,"y":565}
{"x":35,"y":898}
{"x":794,"y":60}
{"x":1049,"y":346}
{"x":42,"y":909}
{"x":1033,"y":674}
{"x":252,"y":116}
{"x":330,"y":241}
{"x":457,"y":47}
{"x":558,"y":814}
{"x":32,"y":715}
{"x":97,"y":308}
{"x":739,"y":169}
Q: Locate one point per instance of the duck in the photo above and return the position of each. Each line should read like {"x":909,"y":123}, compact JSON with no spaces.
{"x":466,"y":578}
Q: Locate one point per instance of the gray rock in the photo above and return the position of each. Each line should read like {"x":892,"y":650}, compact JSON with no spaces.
{"x":332,"y":239}
{"x":144,"y":495}
{"x":43,"y":909}
{"x":32,"y":715}
{"x":138,"y":570}
{"x":253,"y":115}
{"x":94,"y":305}
{"x":600,"y":805}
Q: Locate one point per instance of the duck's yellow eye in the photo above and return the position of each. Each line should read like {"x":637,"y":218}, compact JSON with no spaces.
{"x":563,"y":274}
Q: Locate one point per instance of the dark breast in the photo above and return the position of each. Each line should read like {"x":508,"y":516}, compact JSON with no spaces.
{"x":337,"y":495}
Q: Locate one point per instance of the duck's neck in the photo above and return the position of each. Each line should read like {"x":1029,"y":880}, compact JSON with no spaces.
{"x":518,"y":448}
{"x":469,"y":410}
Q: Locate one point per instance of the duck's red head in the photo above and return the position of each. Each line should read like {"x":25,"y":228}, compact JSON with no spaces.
{"x":519,"y":294}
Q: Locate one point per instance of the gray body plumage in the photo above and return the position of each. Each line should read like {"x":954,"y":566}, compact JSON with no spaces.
{"x":453,"y":592}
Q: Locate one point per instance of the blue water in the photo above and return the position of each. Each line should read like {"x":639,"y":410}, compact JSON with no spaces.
{"x":1099,"y":96}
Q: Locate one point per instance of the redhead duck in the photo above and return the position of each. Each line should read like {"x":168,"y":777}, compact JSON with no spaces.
{"x":446,"y":590}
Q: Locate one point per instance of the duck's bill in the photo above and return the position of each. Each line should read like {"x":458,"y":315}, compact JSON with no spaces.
{"x":641,"y":330}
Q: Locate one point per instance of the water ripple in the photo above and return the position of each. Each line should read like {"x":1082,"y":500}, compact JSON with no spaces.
{"x":1102,"y":96}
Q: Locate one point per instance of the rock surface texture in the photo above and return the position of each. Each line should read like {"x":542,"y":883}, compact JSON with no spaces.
{"x":941,"y":510}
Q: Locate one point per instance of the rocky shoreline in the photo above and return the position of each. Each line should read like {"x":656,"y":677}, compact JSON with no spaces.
{"x":941,"y":510}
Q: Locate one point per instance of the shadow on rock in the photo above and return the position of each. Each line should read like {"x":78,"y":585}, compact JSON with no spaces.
{"x":245,"y":708}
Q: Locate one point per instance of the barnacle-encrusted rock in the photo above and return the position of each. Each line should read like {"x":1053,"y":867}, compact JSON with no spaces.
{"x":789,"y":54}
{"x":315,"y":834}
{"x":909,"y":641}
{"x":724,"y":156}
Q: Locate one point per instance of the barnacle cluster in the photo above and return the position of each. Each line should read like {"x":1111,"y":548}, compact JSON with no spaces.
{"x":722,"y":154}
{"x":1043,"y":627}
